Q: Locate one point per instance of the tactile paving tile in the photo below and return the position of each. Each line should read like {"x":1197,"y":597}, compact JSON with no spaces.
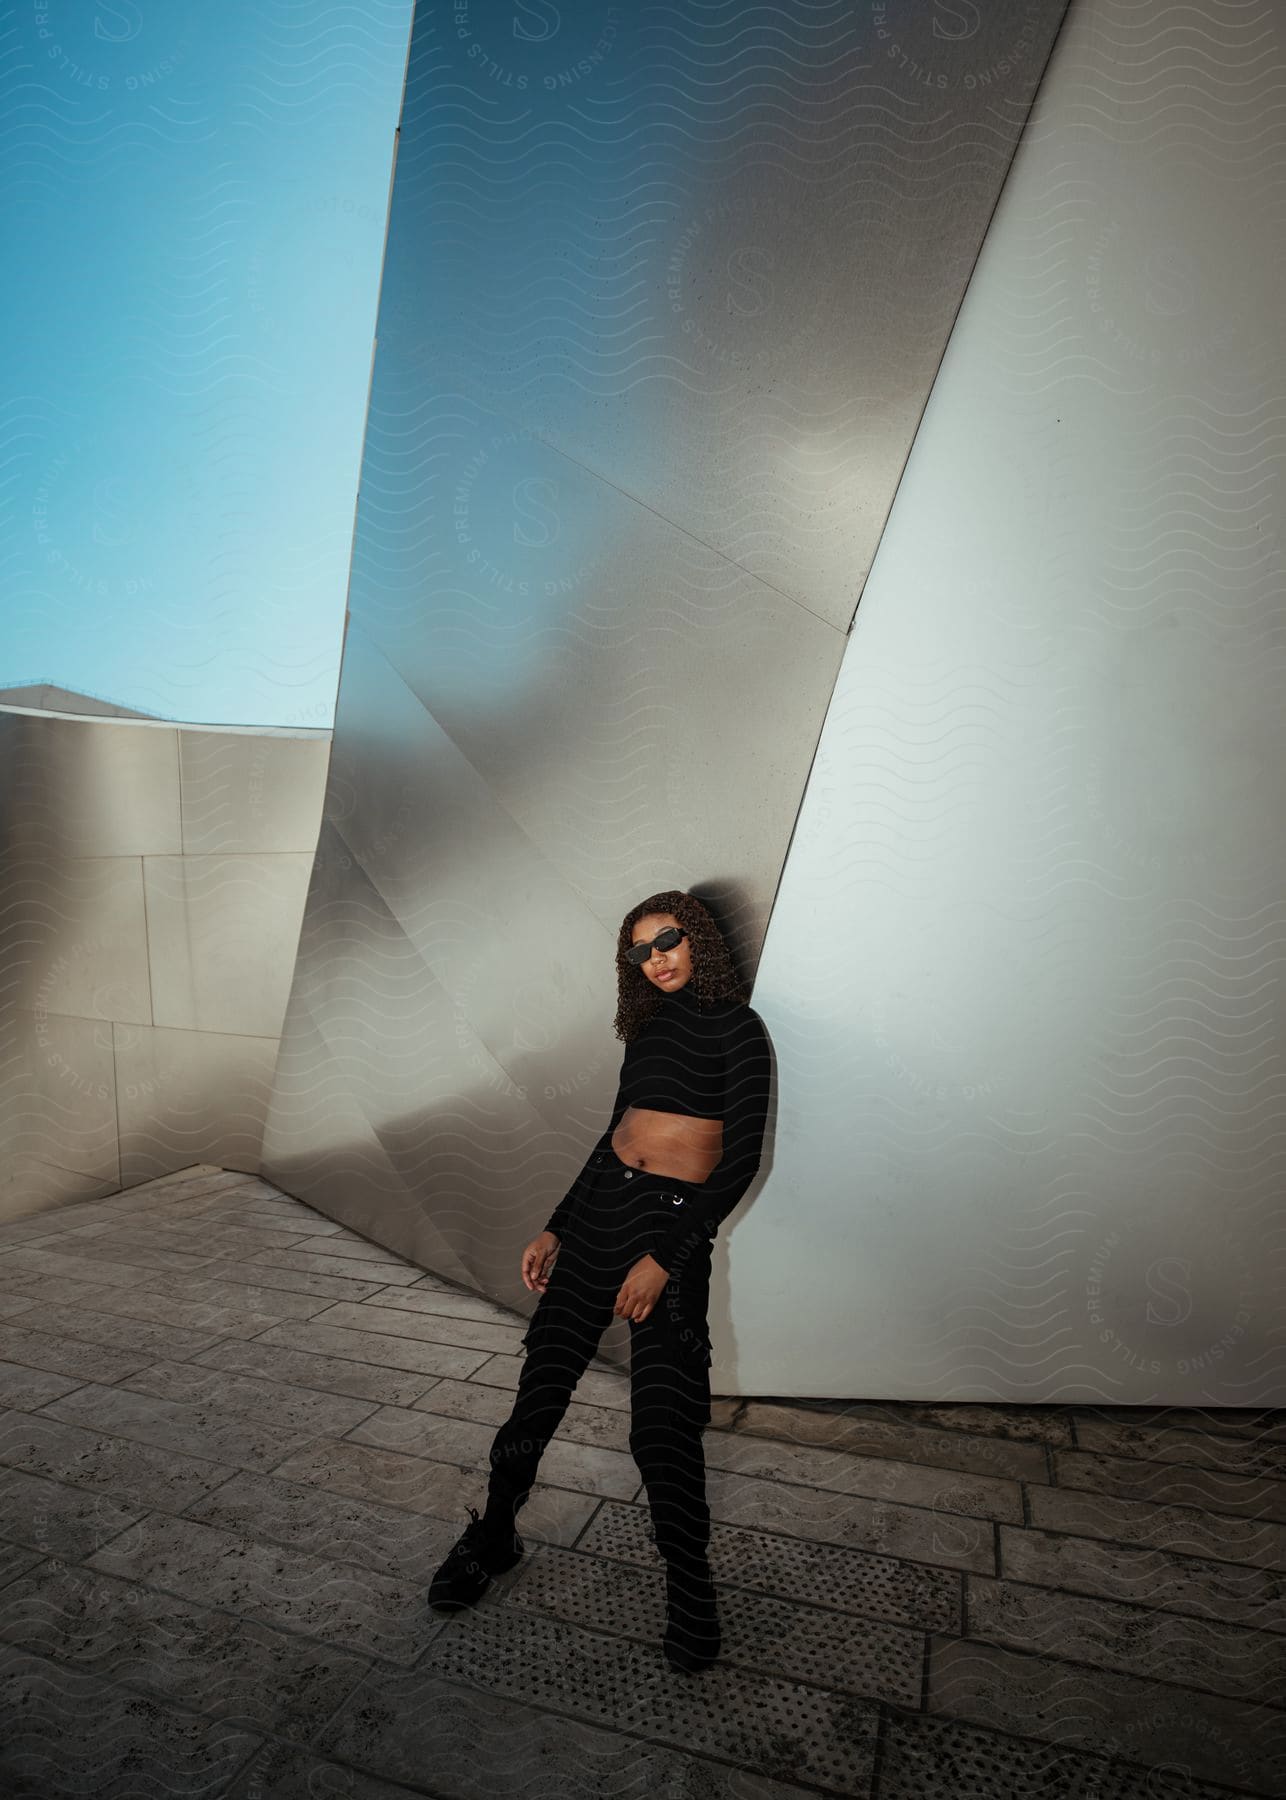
{"x":771,"y":1727}
{"x":858,"y":1581}
{"x":936,"y":1759}
{"x":761,"y":1632}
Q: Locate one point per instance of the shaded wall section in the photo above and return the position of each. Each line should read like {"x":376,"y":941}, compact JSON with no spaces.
{"x":1024,"y":973}
{"x":664,"y":294}
{"x":152,"y":884}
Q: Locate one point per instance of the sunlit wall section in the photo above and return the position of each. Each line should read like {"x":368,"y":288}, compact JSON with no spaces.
{"x":664,"y":293}
{"x":1024,"y":972}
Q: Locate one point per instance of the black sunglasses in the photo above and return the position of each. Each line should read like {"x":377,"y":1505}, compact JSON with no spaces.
{"x":664,"y":940}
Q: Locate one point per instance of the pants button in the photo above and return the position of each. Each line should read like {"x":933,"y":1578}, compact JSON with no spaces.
{"x":629,"y":1174}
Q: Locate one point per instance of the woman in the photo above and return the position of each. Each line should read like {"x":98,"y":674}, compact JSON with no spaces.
{"x":632,"y":1239}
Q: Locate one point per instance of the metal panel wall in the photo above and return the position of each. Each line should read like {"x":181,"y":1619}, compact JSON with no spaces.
{"x":152,"y":883}
{"x":1025,"y":968}
{"x":664,"y":292}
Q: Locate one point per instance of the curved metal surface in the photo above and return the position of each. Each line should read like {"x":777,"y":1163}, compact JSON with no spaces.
{"x":664,"y":294}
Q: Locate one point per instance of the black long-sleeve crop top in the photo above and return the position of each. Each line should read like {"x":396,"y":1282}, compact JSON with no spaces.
{"x":707,"y":1062}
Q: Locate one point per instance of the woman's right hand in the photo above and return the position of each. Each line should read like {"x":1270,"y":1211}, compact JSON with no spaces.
{"x":538,"y":1260}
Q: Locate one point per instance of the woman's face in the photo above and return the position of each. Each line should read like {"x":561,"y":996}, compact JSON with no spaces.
{"x":668,"y":970}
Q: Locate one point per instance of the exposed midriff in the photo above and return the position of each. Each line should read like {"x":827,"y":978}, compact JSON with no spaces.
{"x":667,"y":1143}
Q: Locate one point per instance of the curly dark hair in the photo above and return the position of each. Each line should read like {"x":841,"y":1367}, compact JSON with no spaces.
{"x":713,"y":976}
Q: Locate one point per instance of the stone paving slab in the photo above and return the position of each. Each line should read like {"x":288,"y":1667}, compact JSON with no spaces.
{"x":335,"y":1602}
{"x":327,"y":1374}
{"x":876,"y":1477}
{"x":103,"y":1243}
{"x":68,"y":1735}
{"x":948,"y":1540}
{"x":196,"y":1430}
{"x":1173,"y":1484}
{"x":348,"y":1244}
{"x":196,"y":1238}
{"x":365,"y":1472}
{"x":771,"y":1636}
{"x":1018,"y":1424}
{"x":1232,"y":1455}
{"x":1137,"y":1640}
{"x":139,"y":1228}
{"x":82,"y":1325}
{"x":286,"y":1227}
{"x":174,"y":1228}
{"x":605,"y":1427}
{"x":12,"y":1304}
{"x":304,"y":1412}
{"x":67,"y":1356}
{"x":1181,"y":1584}
{"x":101,"y":1271}
{"x":215,"y":1212}
{"x":936,"y":1759}
{"x":441,"y":1302}
{"x":193,"y":1230}
{"x":431,"y":1328}
{"x":214,"y":1662}
{"x":57,"y":1520}
{"x":137,"y":1474}
{"x":285,"y":1772}
{"x":1237,"y":1743}
{"x":597,"y":1386}
{"x":165,"y":1195}
{"x":1186,"y":1530}
{"x":26,"y":1389}
{"x":387,"y":1274}
{"x":269,"y":1277}
{"x":57,"y":1219}
{"x":255,"y":1193}
{"x":387,"y":1539}
{"x":30,"y":1230}
{"x":480,"y":1745}
{"x":375,"y":1347}
{"x":15,"y":1561}
{"x":565,"y":1463}
{"x":782,"y":1729}
{"x":174,"y":1307}
{"x":1255,"y":1421}
{"x":275,"y":1304}
{"x":855,"y":1581}
{"x":866,"y":1432}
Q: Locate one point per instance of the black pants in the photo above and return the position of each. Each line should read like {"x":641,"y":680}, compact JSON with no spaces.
{"x":613,"y":1208}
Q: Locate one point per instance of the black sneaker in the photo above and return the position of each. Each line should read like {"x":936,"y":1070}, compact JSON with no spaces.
{"x":466,"y":1574}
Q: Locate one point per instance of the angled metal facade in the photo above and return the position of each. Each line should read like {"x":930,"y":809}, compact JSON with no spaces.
{"x":664,"y":295}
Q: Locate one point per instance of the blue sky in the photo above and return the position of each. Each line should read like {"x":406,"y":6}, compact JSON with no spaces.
{"x":194,"y":206}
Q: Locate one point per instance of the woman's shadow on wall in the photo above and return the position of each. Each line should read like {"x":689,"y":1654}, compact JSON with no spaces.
{"x":743,"y":928}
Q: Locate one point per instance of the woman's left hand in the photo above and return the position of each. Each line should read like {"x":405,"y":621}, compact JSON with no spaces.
{"x":641,"y":1290}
